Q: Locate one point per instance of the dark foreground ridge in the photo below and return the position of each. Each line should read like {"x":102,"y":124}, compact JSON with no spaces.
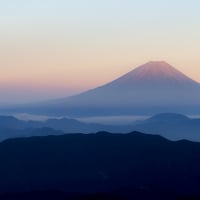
{"x":99,"y":166}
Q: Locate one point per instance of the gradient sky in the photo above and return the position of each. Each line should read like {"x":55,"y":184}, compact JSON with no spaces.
{"x":55,"y":48}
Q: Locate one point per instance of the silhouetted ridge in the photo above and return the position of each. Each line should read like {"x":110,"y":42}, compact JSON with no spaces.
{"x":100,"y":163}
{"x":169,"y":125}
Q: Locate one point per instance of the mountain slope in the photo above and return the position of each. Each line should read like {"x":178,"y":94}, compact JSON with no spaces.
{"x":155,"y":72}
{"x":155,"y":87}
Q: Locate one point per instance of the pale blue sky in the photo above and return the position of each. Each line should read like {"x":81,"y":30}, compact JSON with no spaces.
{"x":47,"y":45}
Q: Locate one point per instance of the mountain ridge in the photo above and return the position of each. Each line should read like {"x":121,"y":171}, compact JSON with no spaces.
{"x":172,"y":126}
{"x":108,"y":162}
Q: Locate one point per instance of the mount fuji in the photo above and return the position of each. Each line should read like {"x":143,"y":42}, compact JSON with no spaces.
{"x":155,"y":87}
{"x":151,"y":88}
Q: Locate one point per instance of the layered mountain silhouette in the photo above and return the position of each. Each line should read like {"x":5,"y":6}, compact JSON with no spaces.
{"x":105,"y":165}
{"x":155,"y":87}
{"x":11,"y":127}
{"x":169,"y":125}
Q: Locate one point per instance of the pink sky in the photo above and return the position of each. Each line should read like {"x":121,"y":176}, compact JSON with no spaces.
{"x":59,"y":48}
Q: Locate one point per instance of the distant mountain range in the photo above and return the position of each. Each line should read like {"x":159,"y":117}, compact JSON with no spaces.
{"x":127,"y":165}
{"x":155,"y":87}
{"x":11,"y":127}
{"x":169,"y":125}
